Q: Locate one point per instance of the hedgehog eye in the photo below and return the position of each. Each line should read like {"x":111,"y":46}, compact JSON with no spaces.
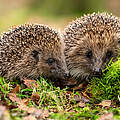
{"x":89,"y":54}
{"x":119,"y":40}
{"x":109,"y":53}
{"x":51,"y":61}
{"x":35,"y":54}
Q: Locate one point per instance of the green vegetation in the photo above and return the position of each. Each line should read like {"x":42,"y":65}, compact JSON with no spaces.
{"x":62,"y":104}
{"x":108,"y":87}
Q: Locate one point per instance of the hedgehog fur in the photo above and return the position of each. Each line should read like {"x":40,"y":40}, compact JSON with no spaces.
{"x":31,"y":51}
{"x":91,"y":42}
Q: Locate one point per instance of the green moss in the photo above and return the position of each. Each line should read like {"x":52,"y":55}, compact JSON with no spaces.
{"x":108,"y":87}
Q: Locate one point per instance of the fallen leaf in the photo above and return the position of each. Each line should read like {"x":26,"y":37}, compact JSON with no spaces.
{"x":26,"y":101}
{"x":39,"y":113}
{"x":13,"y":97}
{"x":15,"y":90}
{"x":30,"y":83}
{"x":30,"y":117}
{"x":106,"y":116}
{"x":77,"y":98}
{"x":105,"y":103}
{"x":8,"y":106}
{"x":20,"y":103}
{"x":78,"y":87}
{"x":31,"y":110}
{"x":83,"y":85}
{"x":24,"y":107}
{"x":81,"y":98}
{"x":71,"y":111}
{"x":81,"y":104}
{"x":84,"y":99}
{"x":35,"y":98}
{"x":5,"y":103}
{"x":85,"y":94}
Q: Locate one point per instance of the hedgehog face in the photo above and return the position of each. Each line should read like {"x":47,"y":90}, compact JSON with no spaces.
{"x":91,"y":55}
{"x":91,"y":42}
{"x":41,"y":61}
{"x":51,"y":63}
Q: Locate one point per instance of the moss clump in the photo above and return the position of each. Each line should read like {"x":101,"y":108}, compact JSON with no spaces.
{"x":107,"y":87}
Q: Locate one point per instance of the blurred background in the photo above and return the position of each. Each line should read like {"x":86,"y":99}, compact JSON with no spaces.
{"x":55,"y":13}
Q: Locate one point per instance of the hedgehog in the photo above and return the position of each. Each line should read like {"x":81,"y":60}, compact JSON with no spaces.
{"x":91,"y":42}
{"x":30,"y":51}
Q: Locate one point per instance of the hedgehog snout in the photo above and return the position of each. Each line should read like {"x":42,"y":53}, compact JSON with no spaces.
{"x":59,"y":71}
{"x":67,"y":74}
{"x":65,"y":70}
{"x":97,"y":72}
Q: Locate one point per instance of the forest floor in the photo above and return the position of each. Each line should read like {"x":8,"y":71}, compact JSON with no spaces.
{"x":41,"y":100}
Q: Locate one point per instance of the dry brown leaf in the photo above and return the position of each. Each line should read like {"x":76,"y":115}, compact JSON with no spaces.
{"x":77,"y":98}
{"x":30,"y":117}
{"x":71,"y":111}
{"x":85,"y":94}
{"x":83,"y":85}
{"x":26,"y":101}
{"x":13,"y":97}
{"x":81,"y":104}
{"x":81,"y":98}
{"x":5,"y":103}
{"x":15,"y":90}
{"x":26,"y":108}
{"x":39,"y":113}
{"x":35,"y":98}
{"x":105,"y":103}
{"x":20,"y":103}
{"x":84,"y":99}
{"x":30,"y":83}
{"x":79,"y":87}
{"x":106,"y":116}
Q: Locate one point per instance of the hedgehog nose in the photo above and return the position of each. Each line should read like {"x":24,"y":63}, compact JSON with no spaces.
{"x":97,"y":72}
{"x":67,"y":75}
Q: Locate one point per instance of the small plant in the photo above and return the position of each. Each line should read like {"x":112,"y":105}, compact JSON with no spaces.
{"x":108,"y":87}
{"x":53,"y":97}
{"x":4,"y":87}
